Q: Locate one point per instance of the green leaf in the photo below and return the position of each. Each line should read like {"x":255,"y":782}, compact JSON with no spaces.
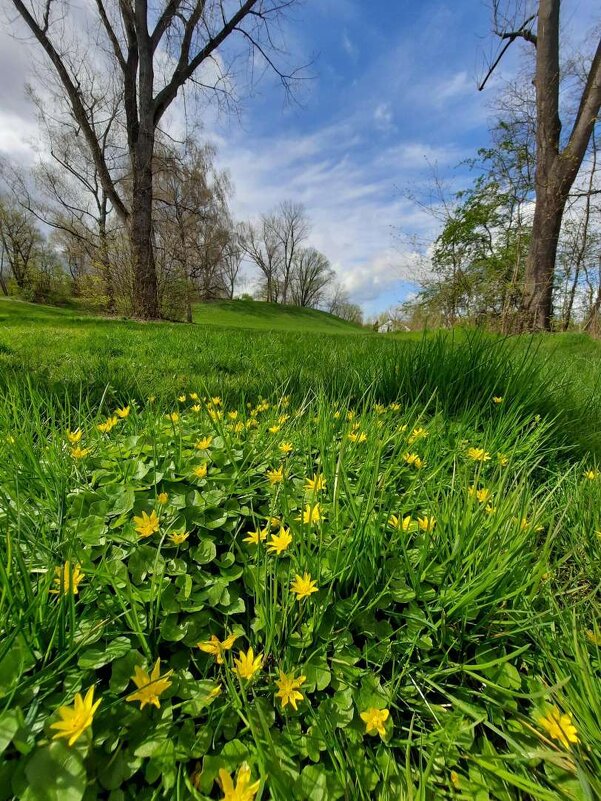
{"x":10,"y":720}
{"x":97,"y":657}
{"x":204,"y":552}
{"x":55,"y":773}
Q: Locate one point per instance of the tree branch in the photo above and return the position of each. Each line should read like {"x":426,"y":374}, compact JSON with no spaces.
{"x":79,"y":111}
{"x":183,"y":71}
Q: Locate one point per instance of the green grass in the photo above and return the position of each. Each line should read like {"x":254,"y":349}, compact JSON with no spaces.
{"x":270,"y":317}
{"x":470,"y":621}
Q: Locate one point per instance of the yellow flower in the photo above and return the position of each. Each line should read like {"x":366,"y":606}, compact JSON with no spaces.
{"x":233,"y":414}
{"x":108,"y":425}
{"x":400,"y":523}
{"x":67,"y":579}
{"x":591,"y":475}
{"x":275,"y":476}
{"x":150,"y":688}
{"x":181,"y":398}
{"x":217,"y":648}
{"x":311,"y":515}
{"x":200,"y":471}
{"x":350,"y":415}
{"x":315,"y":484}
{"x":247,"y":664}
{"x":177,"y":537}
{"x":152,"y":398}
{"x":426,"y":523}
{"x":194,"y":396}
{"x":413,"y":460}
{"x":279,"y":542}
{"x":594,"y":638}
{"x":285,"y":448}
{"x":74,"y":436}
{"x":395,"y":407}
{"x":122,"y":412}
{"x":455,"y":779}
{"x":525,"y":524}
{"x":478,"y":454}
{"x":288,"y":689}
{"x":497,"y":399}
{"x":502,"y":459}
{"x":482,"y":495}
{"x":216,"y":401}
{"x":244,"y":790}
{"x":79,"y":453}
{"x":163,"y":497}
{"x":215,"y":414}
{"x":255,"y":537}
{"x":379,"y":408}
{"x":146,"y":524}
{"x":283,"y":418}
{"x":417,"y":433}
{"x":76,"y":719}
{"x":559,"y":726}
{"x":374,"y":720}
{"x":274,"y":429}
{"x":357,"y":436}
{"x":196,"y":408}
{"x":173,"y":417}
{"x":204,"y":443}
{"x":303,"y":586}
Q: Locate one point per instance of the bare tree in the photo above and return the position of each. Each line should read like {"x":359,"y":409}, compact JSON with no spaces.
{"x":232,"y":261}
{"x":557,"y":162}
{"x":20,"y":241}
{"x":311,"y":277}
{"x":192,"y":221}
{"x":262,"y":247}
{"x":290,"y":228}
{"x":339,"y":304}
{"x":153,"y":52}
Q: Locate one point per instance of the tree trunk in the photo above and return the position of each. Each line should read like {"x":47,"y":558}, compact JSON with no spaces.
{"x":2,"y":281}
{"x":146,"y":297}
{"x":537,"y":302}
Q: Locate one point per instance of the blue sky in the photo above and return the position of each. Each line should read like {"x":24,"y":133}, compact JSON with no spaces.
{"x":392,"y":90}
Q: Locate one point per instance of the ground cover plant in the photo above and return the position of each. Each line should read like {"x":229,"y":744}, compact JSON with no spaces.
{"x":336,"y":592}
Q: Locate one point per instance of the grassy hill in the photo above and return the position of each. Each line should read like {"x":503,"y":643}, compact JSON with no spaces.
{"x":223,"y":314}
{"x":270,"y":317}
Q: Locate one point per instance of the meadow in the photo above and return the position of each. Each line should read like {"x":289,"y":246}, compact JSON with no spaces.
{"x":286,"y":559}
